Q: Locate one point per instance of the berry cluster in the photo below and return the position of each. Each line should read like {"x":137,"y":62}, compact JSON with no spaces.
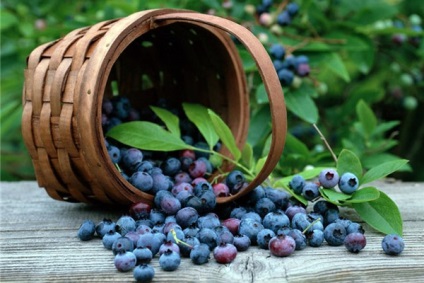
{"x":151,"y":171}
{"x":184,"y":223}
{"x":284,"y":18}
{"x":413,"y":23}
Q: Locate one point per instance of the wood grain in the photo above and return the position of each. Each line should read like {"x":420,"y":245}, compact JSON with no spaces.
{"x":39,"y":244}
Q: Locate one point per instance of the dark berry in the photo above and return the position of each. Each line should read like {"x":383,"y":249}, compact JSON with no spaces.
{"x":232,"y":224}
{"x":140,"y":210}
{"x":200,"y":254}
{"x":276,"y":220}
{"x":286,"y":77}
{"x":310,"y":191}
{"x":144,"y":273}
{"x":208,"y":236}
{"x":322,"y":206}
{"x":277,"y":51}
{"x":221,"y":190}
{"x":125,"y":224}
{"x":264,"y":206}
{"x":392,"y":244}
{"x":335,"y":234}
{"x":225,"y":253}
{"x":171,"y":166}
{"x":142,"y":181}
{"x":250,"y":228}
{"x":328,"y":178}
{"x":298,"y":237}
{"x":187,"y":246}
{"x":143,"y":255}
{"x":132,"y":158}
{"x":170,"y":205}
{"x":234,"y":178}
{"x":282,"y":245}
{"x":296,"y":184}
{"x":292,"y":9}
{"x":169,"y":260}
{"x":355,"y":242}
{"x":284,"y":19}
{"x":122,"y":244}
{"x":197,"y":169}
{"x":86,"y":230}
{"x":187,"y":216}
{"x":125,"y":261}
{"x":293,"y":210}
{"x":241,"y":242}
{"x":263,"y":238}
{"x":114,"y":154}
{"x":348,"y":183}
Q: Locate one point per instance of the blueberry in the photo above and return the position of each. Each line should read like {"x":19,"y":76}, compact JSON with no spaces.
{"x":143,"y":255}
{"x":144,"y":273}
{"x":201,"y":145}
{"x":208,"y":164}
{"x":175,"y":233}
{"x":125,"y":224}
{"x":315,"y":238}
{"x":197,"y":169}
{"x":282,"y":245}
{"x":278,"y":64}
{"x":284,"y":18}
{"x":191,"y":231}
{"x":292,"y":9}
{"x":200,"y":254}
{"x":142,"y":181}
{"x":250,"y":228}
{"x":171,"y":166}
{"x":183,"y":197}
{"x":86,"y":230}
{"x":300,"y":221}
{"x":182,"y":177}
{"x":134,"y":236}
{"x":159,"y":196}
{"x":286,"y":77}
{"x":161,"y":182}
{"x":275,"y":221}
{"x":170,"y":226}
{"x":125,"y":261}
{"x":208,"y":236}
{"x":322,"y":206}
{"x":168,"y":245}
{"x":264,"y":206}
{"x":201,"y":187}
{"x":331,"y":216}
{"x":150,"y":241}
{"x":267,"y":3}
{"x":221,"y":190}
{"x":328,"y":178}
{"x":121,"y":107}
{"x":186,"y":217}
{"x":263,"y":238}
{"x":122,"y":244}
{"x":303,"y":70}
{"x":277,"y":51}
{"x":293,"y":210}
{"x":169,"y":260}
{"x":225,"y":253}
{"x":157,"y":216}
{"x":132,"y":158}
{"x":186,"y":248}
{"x":335,"y":234}
{"x":105,"y":226}
{"x":355,"y":228}
{"x":209,"y":220}
{"x":310,"y":191}
{"x":279,"y":197}
{"x":355,"y":242}
{"x":298,"y":237}
{"x":252,"y":215}
{"x":140,"y":210}
{"x":109,"y":238}
{"x":114,"y":154}
{"x":241,"y":242}
{"x":297,"y":183}
{"x":254,"y":196}
{"x":301,"y":59}
{"x":170,"y":205}
{"x":234,"y":178}
{"x":238,"y":212}
{"x":348,"y":183}
{"x":392,"y":244}
{"x":145,"y":166}
{"x":232,"y":224}
{"x":107,"y":106}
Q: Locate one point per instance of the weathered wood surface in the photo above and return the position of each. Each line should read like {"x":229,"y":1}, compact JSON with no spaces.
{"x":39,"y":243}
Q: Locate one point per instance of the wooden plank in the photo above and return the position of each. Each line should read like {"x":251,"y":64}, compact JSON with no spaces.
{"x":38,"y":243}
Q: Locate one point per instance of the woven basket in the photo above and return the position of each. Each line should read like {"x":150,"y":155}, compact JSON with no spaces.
{"x":189,"y":57}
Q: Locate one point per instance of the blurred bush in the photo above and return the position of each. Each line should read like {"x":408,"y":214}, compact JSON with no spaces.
{"x":363,"y":87}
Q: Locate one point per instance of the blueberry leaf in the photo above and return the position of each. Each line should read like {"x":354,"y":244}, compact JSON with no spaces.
{"x":147,"y":136}
{"x":171,"y":120}
{"x":333,"y":196}
{"x":364,"y":195}
{"x":247,"y":156}
{"x":225,"y":134}
{"x":382,"y":214}
{"x":300,"y":103}
{"x":382,"y":170}
{"x":260,"y":163}
{"x":198,"y":114}
{"x":366,"y":117}
{"x":349,"y":162}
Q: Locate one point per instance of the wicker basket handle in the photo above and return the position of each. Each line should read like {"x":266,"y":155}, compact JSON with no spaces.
{"x":269,"y":77}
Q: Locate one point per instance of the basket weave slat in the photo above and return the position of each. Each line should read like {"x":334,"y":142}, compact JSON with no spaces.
{"x":193,"y":59}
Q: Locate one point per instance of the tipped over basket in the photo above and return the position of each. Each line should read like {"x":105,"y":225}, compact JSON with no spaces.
{"x":190,"y":57}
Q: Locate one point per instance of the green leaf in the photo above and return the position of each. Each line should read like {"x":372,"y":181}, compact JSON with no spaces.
{"x":382,"y":170}
{"x":198,"y":114}
{"x":247,"y":155}
{"x":364,"y":195}
{"x":260,"y":164}
{"x":225,"y":134}
{"x":366,"y":117}
{"x":249,"y":63}
{"x":302,"y":105}
{"x":171,"y":120}
{"x":334,"y":63}
{"x":382,"y":214}
{"x":7,"y":20}
{"x":349,"y":162}
{"x":147,"y":136}
{"x":333,"y":196}
{"x":261,"y":95}
{"x":295,"y":145}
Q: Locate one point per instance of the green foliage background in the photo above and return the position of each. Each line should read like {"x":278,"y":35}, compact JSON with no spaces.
{"x":365,"y":93}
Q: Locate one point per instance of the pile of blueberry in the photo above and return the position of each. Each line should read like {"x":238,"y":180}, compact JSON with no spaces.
{"x":178,"y":227}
